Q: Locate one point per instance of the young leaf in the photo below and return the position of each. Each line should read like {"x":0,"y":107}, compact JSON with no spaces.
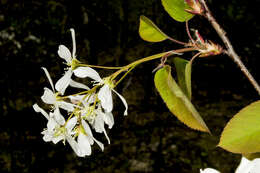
{"x":242,"y":133}
{"x":148,"y":31}
{"x":183,"y":69}
{"x":177,"y":101}
{"x":176,"y":9}
{"x":188,"y":78}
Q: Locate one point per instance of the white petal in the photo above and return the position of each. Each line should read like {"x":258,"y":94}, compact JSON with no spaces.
{"x":78,"y":85}
{"x":58,"y":117}
{"x":209,"y":170}
{"x":99,"y":125}
{"x":73,"y":43}
{"x":39,"y":109}
{"x":56,"y":139}
{"x":243,"y":166}
{"x":64,"y":82}
{"x":90,"y":136}
{"x":84,"y":72}
{"x":49,"y":77}
{"x":71,"y":124}
{"x":123,"y":100}
{"x":48,"y":96}
{"x":74,"y":146}
{"x":47,"y":136}
{"x":256,"y":166}
{"x":66,"y":106}
{"x":247,"y":166}
{"x":99,"y":144}
{"x":105,"y":96}
{"x":84,"y":144}
{"x":90,"y":99}
{"x":51,"y":124}
{"x":108,"y":140}
{"x":109,"y":119}
{"x":79,"y":98}
{"x":64,"y":53}
{"x":87,"y":131}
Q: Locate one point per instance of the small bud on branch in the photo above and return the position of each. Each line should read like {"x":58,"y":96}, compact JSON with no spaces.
{"x":195,"y":7}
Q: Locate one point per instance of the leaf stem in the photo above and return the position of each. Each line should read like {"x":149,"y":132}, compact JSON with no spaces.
{"x":188,"y":32}
{"x":124,"y":75}
{"x":230,"y":50}
{"x":149,"y":58}
{"x":177,"y":41}
{"x":97,"y":66}
{"x":195,"y":56}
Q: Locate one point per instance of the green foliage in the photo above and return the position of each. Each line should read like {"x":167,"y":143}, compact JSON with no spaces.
{"x":183,"y":68}
{"x":148,"y":31}
{"x":177,"y":101}
{"x":242,"y":133}
{"x":176,"y":9}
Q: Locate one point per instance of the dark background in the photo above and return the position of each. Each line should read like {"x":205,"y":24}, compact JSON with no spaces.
{"x":149,"y":139}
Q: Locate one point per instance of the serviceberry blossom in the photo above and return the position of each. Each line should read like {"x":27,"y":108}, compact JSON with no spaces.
{"x":55,"y":132}
{"x":72,"y":64}
{"x":101,"y":118}
{"x":90,"y":108}
{"x":94,"y":114}
{"x":245,"y":166}
{"x":248,"y":166}
{"x":86,"y":139}
{"x":52,"y":98}
{"x":105,"y":92}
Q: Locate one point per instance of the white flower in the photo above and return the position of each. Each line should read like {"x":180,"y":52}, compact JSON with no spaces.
{"x":86,"y":139}
{"x":48,"y":134}
{"x":105,"y":92}
{"x":100,"y":120}
{"x":50,"y":97}
{"x":209,"y":170}
{"x":71,"y":60}
{"x":105,"y":96}
{"x":54,"y":131}
{"x":247,"y":166}
{"x":97,"y":118}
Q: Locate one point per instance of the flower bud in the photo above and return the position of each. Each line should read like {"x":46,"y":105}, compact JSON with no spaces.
{"x":195,"y":7}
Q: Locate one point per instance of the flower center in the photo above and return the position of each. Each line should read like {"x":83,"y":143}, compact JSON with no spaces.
{"x":74,"y":63}
{"x":109,"y":82}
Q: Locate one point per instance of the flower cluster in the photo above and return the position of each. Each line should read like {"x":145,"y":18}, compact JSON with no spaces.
{"x":89,"y":109}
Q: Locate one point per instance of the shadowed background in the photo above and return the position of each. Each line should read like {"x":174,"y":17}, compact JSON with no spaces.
{"x":149,"y":139}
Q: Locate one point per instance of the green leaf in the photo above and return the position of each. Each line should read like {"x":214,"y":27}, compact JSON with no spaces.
{"x":183,"y":69}
{"x":188,"y":78}
{"x":176,"y":9}
{"x":252,"y":156}
{"x":242,"y":132}
{"x":148,"y":31}
{"x":177,"y":101}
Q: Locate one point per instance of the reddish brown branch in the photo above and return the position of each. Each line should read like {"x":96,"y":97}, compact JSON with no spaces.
{"x":230,"y":51}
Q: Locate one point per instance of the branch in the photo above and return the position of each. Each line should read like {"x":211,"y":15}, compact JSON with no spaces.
{"x":230,"y":51}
